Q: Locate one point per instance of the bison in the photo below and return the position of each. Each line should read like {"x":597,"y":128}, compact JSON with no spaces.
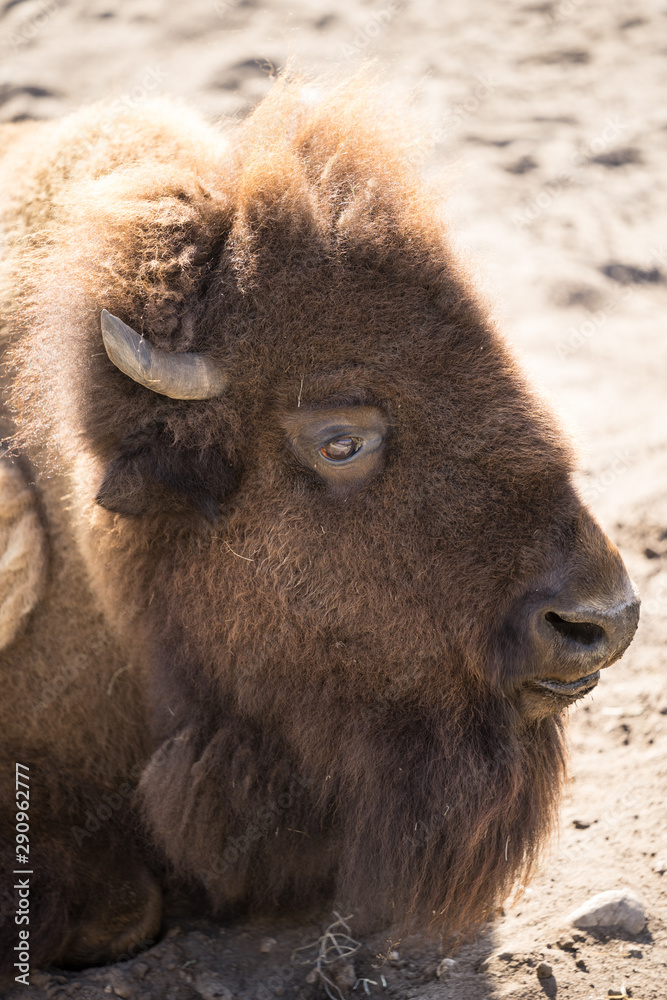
{"x":297,"y":586}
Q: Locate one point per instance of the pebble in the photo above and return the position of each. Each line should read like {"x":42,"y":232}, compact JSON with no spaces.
{"x":445,"y":967}
{"x":139,"y":969}
{"x":544,"y":970}
{"x":210,"y":987}
{"x":565,"y":943}
{"x":615,"y":908}
{"x":660,"y":866}
{"x":39,"y":979}
{"x":344,"y":975}
{"x":267,"y":945}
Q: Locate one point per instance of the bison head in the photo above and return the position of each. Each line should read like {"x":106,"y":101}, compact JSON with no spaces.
{"x":316,"y":493}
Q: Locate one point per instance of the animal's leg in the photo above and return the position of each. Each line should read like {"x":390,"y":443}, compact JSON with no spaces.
{"x":121,"y":918}
{"x":91,"y":897}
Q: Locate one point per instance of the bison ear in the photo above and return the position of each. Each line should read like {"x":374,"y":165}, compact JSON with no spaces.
{"x":153,"y":476}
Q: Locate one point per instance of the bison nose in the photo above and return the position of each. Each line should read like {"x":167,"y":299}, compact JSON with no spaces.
{"x":575,"y":642}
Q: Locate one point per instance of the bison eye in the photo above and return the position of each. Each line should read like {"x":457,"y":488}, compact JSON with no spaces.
{"x":343,"y":446}
{"x":340,"y":449}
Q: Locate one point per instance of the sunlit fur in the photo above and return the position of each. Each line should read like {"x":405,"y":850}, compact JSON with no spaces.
{"x":316,"y":688}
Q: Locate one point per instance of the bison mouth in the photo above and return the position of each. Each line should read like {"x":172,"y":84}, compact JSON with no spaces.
{"x":570,"y":690}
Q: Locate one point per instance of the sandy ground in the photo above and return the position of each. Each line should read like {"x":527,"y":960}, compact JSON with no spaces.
{"x":549,"y":125}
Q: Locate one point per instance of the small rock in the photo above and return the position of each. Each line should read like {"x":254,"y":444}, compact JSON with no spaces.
{"x":393,"y":956}
{"x":210,"y":987}
{"x":544,"y":970}
{"x":267,"y":945}
{"x":660,"y":866}
{"x":581,"y":824}
{"x":615,"y":908}
{"x":39,"y":979}
{"x":445,"y":967}
{"x":123,"y":991}
{"x":580,"y":964}
{"x":651,"y":553}
{"x":313,"y":977}
{"x":343,"y":974}
{"x":506,"y":956}
{"x":565,"y":943}
{"x":139,"y":969}
{"x":626,"y":952}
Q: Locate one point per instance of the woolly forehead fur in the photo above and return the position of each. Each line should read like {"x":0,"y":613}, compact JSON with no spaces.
{"x":299,"y":249}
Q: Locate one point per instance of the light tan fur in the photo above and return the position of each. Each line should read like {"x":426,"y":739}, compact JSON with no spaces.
{"x":23,"y":552}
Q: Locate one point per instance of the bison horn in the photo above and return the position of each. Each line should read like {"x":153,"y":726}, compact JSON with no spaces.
{"x":180,"y":376}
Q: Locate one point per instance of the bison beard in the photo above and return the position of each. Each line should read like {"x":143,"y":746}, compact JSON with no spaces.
{"x":402,"y":815}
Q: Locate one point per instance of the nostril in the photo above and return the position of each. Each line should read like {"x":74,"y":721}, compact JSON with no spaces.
{"x":584,"y":633}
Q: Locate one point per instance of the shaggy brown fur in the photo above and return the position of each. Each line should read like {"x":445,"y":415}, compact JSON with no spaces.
{"x":322,"y":693}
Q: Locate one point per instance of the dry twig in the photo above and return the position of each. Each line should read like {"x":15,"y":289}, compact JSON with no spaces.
{"x":335,"y":944}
